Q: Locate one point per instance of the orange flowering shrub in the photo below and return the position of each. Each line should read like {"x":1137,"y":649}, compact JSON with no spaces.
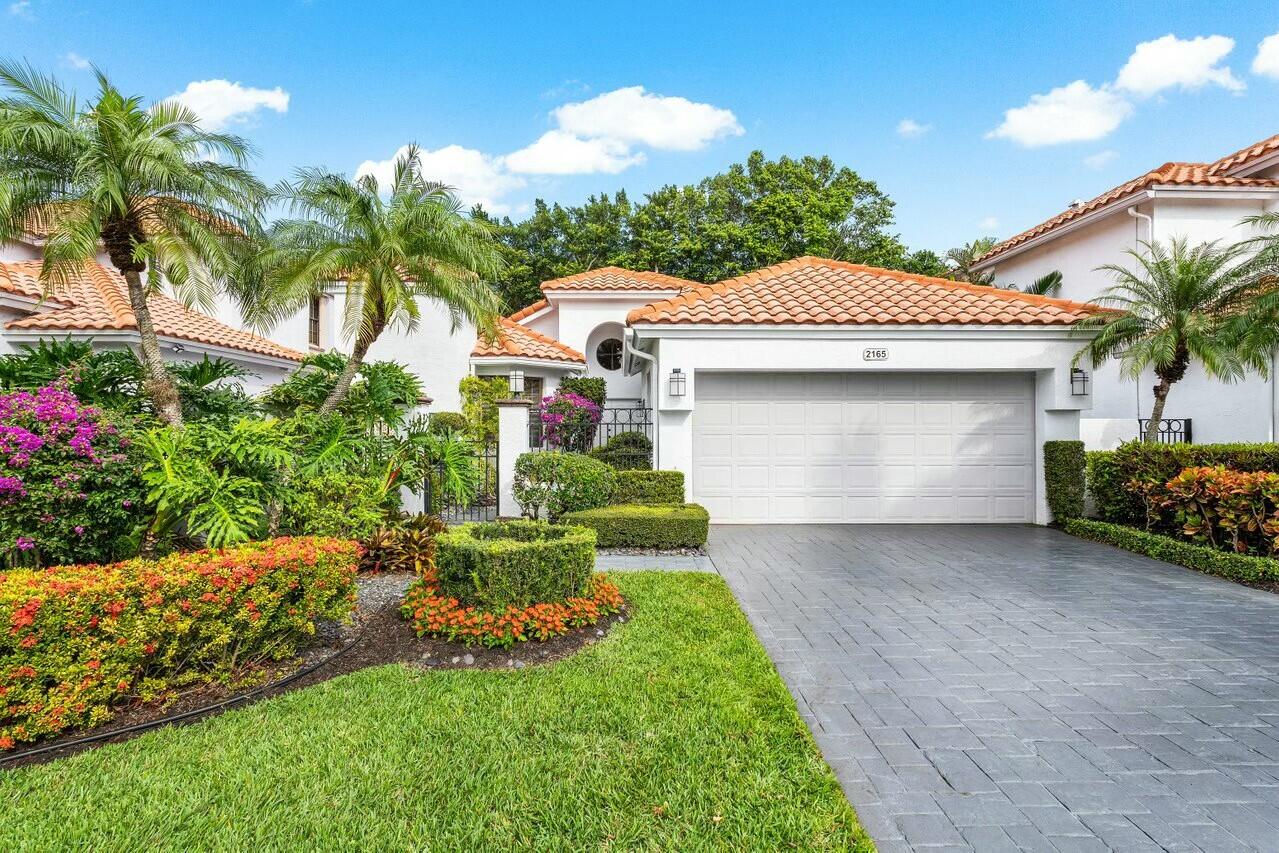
{"x":77,"y":640}
{"x":439,"y":615}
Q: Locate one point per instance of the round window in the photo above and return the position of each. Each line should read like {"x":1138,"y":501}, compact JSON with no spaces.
{"x":609,"y":354}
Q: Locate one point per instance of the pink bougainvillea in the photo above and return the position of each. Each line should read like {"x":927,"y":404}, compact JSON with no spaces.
{"x":569,"y":420}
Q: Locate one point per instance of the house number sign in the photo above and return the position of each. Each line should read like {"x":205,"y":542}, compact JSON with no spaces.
{"x":874,"y":355}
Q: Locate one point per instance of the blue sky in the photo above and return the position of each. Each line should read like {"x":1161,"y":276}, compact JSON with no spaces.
{"x":481,"y":87}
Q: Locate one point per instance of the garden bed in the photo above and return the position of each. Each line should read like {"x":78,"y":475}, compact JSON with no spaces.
{"x":674,"y":733}
{"x":377,"y":635}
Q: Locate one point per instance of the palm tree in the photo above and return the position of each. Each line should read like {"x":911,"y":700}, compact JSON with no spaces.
{"x":963,"y":257}
{"x":160,"y":195}
{"x":1181,"y":304}
{"x":414,"y":243}
{"x":1048,"y":284}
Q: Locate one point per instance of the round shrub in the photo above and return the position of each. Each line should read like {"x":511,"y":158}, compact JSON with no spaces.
{"x":561,"y":482}
{"x":442,"y":422}
{"x":69,"y":491}
{"x":502,"y":564}
{"x":626,"y":451}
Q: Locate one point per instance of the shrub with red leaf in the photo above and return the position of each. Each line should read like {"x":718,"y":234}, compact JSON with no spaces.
{"x":77,"y":641}
{"x":1232,"y":510}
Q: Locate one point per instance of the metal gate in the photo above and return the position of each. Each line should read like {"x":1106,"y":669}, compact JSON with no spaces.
{"x":483,"y":507}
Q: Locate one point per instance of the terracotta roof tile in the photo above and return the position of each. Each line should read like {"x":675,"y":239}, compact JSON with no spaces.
{"x":24,"y":280}
{"x":1216,"y":174}
{"x":518,"y":341}
{"x":99,"y":300}
{"x":825,"y":292}
{"x":529,"y":311}
{"x":617,"y":278}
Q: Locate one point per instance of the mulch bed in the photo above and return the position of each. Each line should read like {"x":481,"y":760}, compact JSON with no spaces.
{"x":378,"y":634}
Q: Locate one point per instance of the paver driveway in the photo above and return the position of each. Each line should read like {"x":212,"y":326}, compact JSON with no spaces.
{"x":1012,"y":687}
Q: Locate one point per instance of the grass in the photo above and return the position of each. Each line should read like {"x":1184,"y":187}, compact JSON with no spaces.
{"x":674,"y":732}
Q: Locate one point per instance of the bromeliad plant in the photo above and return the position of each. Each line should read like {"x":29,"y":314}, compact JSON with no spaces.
{"x":69,"y":490}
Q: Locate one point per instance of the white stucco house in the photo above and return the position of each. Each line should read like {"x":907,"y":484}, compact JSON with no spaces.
{"x":1197,"y":201}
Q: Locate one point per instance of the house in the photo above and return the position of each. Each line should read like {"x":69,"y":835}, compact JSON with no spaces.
{"x":1197,"y":201}
{"x":95,"y":306}
{"x":577,"y":328}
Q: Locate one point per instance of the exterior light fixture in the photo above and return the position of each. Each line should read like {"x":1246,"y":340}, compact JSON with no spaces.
{"x":177,"y":348}
{"x":678,"y":382}
{"x":1078,"y":382}
{"x":516,"y":383}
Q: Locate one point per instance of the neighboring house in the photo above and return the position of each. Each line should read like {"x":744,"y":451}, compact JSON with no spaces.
{"x":1197,"y":201}
{"x":578,"y":328}
{"x":822,"y":391}
{"x":95,"y":306}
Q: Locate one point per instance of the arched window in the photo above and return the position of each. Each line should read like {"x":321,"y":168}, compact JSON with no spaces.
{"x":609,"y":354}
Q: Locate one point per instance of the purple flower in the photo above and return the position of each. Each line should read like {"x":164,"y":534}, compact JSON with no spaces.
{"x":79,"y":530}
{"x":25,"y":544}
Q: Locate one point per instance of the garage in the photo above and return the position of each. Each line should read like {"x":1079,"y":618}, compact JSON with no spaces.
{"x":865,"y":447}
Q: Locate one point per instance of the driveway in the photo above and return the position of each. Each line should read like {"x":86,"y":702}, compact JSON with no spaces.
{"x":1011,"y":687}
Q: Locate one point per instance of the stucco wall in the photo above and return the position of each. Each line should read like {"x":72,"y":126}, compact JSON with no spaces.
{"x":1244,"y":411}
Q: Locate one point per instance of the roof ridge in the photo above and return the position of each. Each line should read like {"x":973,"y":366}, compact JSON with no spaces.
{"x":646,"y":276}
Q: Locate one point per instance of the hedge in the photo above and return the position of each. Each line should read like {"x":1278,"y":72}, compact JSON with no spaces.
{"x":593,"y":388}
{"x":495,"y":565}
{"x":560,"y":482}
{"x":646,"y":526}
{"x":649,"y":487}
{"x":442,"y":422}
{"x":1198,"y":557}
{"x":1109,"y":471}
{"x":77,"y":640}
{"x":1064,"y":465}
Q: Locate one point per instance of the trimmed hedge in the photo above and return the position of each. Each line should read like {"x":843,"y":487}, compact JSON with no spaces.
{"x":1109,"y":471}
{"x":1064,"y":465}
{"x":626,"y":451}
{"x":77,"y":640}
{"x":646,"y":526}
{"x":501,"y":564}
{"x":649,"y":487}
{"x":1198,"y":557}
{"x":561,"y":482}
{"x":593,"y":388}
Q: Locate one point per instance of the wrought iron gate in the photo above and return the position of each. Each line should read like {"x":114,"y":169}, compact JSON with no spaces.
{"x":483,"y":507}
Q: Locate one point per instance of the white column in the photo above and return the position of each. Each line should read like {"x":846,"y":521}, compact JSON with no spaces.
{"x":512,"y":441}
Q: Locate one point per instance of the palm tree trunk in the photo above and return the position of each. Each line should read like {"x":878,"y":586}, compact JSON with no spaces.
{"x":1157,"y":410}
{"x":159,"y":384}
{"x":338,"y":394}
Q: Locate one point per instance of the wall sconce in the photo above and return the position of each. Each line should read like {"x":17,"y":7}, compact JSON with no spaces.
{"x":516,"y":383}
{"x":177,"y":348}
{"x":678,"y":380}
{"x":1078,"y":382}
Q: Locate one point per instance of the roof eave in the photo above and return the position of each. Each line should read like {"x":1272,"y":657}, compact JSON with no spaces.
{"x":130,"y":336}
{"x":1075,"y":224}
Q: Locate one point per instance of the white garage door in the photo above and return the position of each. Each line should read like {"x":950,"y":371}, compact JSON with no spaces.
{"x":864,"y":447}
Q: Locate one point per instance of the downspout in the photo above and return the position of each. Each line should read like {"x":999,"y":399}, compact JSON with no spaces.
{"x":630,"y":341}
{"x":1150,"y":238}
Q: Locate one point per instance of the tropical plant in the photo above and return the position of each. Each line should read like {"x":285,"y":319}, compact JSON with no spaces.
{"x":164,"y":198}
{"x":1180,"y":305}
{"x":479,"y":404}
{"x":380,"y":396}
{"x":1048,"y":284}
{"x":962,"y":258}
{"x":391,"y":252}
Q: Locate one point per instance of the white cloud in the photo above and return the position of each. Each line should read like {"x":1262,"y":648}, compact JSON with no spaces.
{"x":1101,"y":159}
{"x":21,"y":9}
{"x":908,"y":128}
{"x":632,"y":115}
{"x":990,"y":223}
{"x":560,"y":153}
{"x":1169,"y":62}
{"x":1072,"y":113}
{"x":221,"y":103}
{"x":1266,"y":62}
{"x":76,"y":61}
{"x":477,"y":177}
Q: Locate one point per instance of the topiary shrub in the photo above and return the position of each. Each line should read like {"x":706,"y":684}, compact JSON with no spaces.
{"x":649,"y":487}
{"x":626,"y":451}
{"x":495,"y":565}
{"x":442,"y":422}
{"x":645,"y":526}
{"x":1064,"y":465}
{"x":81,"y":639}
{"x":560,"y":482}
{"x":592,"y":388}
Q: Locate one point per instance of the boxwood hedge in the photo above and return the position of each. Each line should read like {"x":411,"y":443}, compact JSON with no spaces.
{"x":1201,"y":558}
{"x":649,"y":487}
{"x":502,"y":564}
{"x":1064,"y":478}
{"x":646,"y":525}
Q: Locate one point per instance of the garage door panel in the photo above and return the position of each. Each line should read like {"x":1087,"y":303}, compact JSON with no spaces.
{"x":864,"y":447}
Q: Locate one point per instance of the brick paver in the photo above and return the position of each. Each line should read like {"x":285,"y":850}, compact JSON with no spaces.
{"x":1011,"y":687}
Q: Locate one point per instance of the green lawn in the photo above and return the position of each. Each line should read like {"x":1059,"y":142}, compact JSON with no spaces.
{"x":675,"y":732}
